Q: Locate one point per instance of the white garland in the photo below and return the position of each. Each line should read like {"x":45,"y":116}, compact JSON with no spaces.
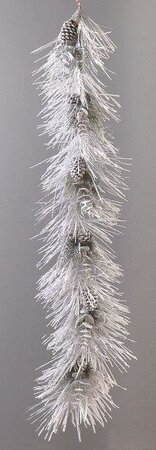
{"x":83,"y":190}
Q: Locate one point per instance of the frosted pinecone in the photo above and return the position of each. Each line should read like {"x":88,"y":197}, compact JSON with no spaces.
{"x":76,"y":247}
{"x":90,"y":299}
{"x":75,"y":100}
{"x":84,"y":236}
{"x":79,"y":248}
{"x":78,"y":169}
{"x":69,"y":33}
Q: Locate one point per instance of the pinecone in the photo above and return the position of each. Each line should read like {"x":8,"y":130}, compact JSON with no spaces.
{"x":69,"y":32}
{"x":84,"y":236}
{"x":91,"y":299}
{"x":78,"y":247}
{"x":78,"y":169}
{"x":75,"y":100}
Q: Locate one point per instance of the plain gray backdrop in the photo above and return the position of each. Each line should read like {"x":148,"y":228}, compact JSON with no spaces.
{"x":25,"y":25}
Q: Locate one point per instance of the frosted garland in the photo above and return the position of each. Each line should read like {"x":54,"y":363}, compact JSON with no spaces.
{"x":83,"y":190}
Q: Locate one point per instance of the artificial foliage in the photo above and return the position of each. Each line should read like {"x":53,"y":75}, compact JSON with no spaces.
{"x":82,"y":192}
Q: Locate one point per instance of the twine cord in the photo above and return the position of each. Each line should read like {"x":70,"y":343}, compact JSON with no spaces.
{"x":78,"y":2}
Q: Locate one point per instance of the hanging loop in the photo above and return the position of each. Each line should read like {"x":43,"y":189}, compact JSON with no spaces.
{"x":78,"y":2}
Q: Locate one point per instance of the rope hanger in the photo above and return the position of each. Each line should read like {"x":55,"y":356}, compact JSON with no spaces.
{"x":79,"y":3}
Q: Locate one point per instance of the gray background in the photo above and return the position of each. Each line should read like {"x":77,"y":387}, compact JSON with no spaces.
{"x":25,"y":25}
